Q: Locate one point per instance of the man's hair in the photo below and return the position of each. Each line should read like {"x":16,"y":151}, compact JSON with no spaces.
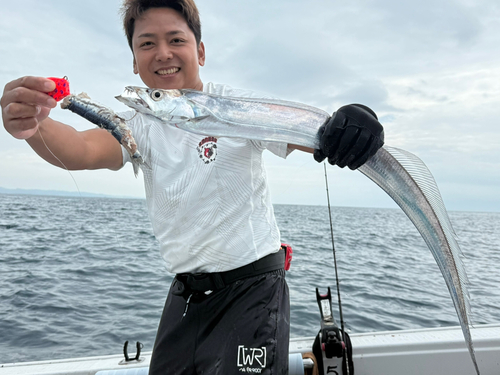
{"x":134,"y":9}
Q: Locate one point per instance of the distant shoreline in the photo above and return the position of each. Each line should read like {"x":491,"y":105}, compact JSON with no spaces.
{"x":60,"y":193}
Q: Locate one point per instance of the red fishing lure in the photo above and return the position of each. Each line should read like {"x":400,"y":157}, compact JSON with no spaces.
{"x":62,"y":88}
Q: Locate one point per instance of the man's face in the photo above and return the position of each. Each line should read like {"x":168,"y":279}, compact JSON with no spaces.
{"x":165,"y":52}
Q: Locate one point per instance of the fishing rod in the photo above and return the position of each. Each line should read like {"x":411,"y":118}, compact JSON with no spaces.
{"x":344,"y":357}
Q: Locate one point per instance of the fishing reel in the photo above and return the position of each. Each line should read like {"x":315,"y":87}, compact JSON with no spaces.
{"x":332,"y":347}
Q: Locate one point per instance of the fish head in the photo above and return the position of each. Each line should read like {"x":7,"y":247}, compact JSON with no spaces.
{"x":166,"y":105}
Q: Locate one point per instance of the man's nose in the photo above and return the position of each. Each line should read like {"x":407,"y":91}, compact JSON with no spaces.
{"x":164,"y":52}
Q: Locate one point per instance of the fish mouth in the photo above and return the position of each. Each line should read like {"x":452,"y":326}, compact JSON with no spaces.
{"x":132,"y":98}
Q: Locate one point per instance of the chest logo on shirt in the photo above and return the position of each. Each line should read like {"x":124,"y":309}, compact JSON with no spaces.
{"x":207,"y":149}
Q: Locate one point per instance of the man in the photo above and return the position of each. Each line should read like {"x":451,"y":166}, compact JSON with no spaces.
{"x":228,"y":308}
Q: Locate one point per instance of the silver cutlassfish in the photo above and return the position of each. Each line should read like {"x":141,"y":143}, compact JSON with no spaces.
{"x":107,"y":119}
{"x":402,"y":175}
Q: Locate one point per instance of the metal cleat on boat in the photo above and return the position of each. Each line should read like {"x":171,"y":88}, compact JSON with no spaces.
{"x":136,"y":359}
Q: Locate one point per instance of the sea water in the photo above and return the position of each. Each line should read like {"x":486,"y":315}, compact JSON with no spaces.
{"x":80,"y":276}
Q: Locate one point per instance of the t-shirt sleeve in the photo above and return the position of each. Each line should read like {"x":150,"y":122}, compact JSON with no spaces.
{"x":277,"y":148}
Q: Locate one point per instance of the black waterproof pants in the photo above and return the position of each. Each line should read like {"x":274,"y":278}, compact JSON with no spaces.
{"x":241,"y":328}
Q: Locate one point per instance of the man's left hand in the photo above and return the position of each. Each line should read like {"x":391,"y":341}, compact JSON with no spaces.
{"x":350,"y":137}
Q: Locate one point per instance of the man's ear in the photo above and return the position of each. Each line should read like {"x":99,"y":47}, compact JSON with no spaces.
{"x":201,"y":54}
{"x":136,"y":71}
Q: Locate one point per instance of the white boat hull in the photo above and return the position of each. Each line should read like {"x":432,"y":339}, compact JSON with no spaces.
{"x":421,"y":351}
{"x":410,"y":352}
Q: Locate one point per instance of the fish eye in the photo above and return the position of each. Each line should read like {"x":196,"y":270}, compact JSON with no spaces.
{"x":156,"y":95}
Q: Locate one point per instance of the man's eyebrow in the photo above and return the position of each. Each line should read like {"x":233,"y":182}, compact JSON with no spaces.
{"x":151,"y":35}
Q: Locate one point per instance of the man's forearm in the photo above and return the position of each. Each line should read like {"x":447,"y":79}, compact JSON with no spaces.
{"x":57,"y":143}
{"x":65,"y":147}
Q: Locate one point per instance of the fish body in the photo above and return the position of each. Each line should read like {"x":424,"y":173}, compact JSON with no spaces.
{"x":402,"y":175}
{"x":107,"y":119}
{"x":223,"y":116}
{"x":408,"y":181}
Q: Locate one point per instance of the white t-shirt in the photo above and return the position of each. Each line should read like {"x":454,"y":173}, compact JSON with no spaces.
{"x":208,"y":198}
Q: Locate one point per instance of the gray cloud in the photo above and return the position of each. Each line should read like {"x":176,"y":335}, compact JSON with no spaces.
{"x":427,"y":68}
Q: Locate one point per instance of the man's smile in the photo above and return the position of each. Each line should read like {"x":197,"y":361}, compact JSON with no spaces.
{"x":163,"y":72}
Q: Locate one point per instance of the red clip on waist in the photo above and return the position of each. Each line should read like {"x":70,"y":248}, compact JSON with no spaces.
{"x":288,"y":255}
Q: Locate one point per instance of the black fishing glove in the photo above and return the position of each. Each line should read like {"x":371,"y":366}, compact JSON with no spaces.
{"x":350,"y":137}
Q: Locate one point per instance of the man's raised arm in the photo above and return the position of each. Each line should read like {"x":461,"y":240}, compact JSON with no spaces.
{"x":25,"y":110}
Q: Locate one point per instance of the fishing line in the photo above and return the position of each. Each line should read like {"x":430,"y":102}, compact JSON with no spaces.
{"x":336,"y":271}
{"x":73,"y":178}
{"x":59,"y":160}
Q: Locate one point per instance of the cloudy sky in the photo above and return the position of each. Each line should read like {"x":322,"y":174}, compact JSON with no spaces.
{"x":430,"y":69}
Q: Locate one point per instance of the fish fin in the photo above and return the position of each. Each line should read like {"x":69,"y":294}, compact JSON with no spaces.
{"x":137,"y":161}
{"x":408,"y":181}
{"x":419,"y":175}
{"x":135,"y":165}
{"x":199,"y":118}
